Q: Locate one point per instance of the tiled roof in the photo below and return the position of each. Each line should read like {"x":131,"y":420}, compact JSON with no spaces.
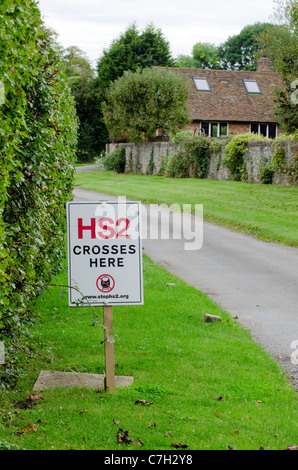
{"x":228,"y":99}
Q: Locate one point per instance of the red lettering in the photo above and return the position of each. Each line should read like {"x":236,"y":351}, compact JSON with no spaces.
{"x":82,"y":227}
{"x":102,"y":223}
{"x":121,"y":233}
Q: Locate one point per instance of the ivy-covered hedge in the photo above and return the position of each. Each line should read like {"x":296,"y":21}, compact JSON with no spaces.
{"x":38,"y":128}
{"x":192,"y":156}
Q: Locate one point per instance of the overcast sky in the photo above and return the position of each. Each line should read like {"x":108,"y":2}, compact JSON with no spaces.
{"x":93,"y":24}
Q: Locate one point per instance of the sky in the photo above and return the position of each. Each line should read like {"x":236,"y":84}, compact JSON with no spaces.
{"x":92,"y":25}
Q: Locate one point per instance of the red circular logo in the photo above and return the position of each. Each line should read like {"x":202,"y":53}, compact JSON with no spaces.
{"x":105,"y":283}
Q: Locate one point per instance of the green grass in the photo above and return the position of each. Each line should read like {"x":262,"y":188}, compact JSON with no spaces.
{"x":179,"y":362}
{"x":268,"y":212}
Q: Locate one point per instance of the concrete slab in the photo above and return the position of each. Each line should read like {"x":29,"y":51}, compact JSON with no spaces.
{"x":52,"y":379}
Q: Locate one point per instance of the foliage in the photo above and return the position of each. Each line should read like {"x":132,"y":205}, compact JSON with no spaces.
{"x":192,"y":156}
{"x":131,"y":51}
{"x":280,"y":43}
{"x":234,"y":153}
{"x":139,"y":103}
{"x":206,"y":55}
{"x":92,"y":134}
{"x":115,"y":161}
{"x":37,"y":148}
{"x":239,"y":51}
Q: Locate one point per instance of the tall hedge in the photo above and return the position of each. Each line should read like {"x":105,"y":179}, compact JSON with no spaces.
{"x":38,"y":128}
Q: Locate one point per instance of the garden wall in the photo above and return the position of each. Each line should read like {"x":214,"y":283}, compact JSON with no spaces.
{"x":152,"y":158}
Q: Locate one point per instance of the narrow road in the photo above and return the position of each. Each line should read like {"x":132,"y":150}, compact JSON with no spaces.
{"x":253,"y":280}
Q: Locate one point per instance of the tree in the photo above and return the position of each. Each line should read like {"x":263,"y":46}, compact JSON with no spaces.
{"x":187,"y":62}
{"x":206,"y":55}
{"x":76,"y":63}
{"x":280,"y":43}
{"x":142,"y":102}
{"x":133,"y":50}
{"x":84,"y":85}
{"x":239,"y":51}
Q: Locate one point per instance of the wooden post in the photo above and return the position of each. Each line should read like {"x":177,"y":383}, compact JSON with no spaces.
{"x":109,"y":350}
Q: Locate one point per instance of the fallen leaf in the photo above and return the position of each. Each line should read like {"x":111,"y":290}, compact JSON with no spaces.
{"x":138,"y":442}
{"x":292,"y":447}
{"x":144,"y":402}
{"x":123,"y":438}
{"x":83,"y":411}
{"x":169,"y":434}
{"x":219,"y":398}
{"x":261,"y":447}
{"x":34,"y":397}
{"x":236,"y":432}
{"x":30,"y":427}
{"x":177,"y":445}
{"x":116,"y":422}
{"x":153,"y":425}
{"x":231,"y":448}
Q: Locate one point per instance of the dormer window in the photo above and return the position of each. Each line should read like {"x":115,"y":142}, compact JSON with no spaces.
{"x":201,"y":84}
{"x":252,"y":86}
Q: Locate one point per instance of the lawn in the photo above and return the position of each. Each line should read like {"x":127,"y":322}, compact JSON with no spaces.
{"x":268,"y":212}
{"x":209,"y":385}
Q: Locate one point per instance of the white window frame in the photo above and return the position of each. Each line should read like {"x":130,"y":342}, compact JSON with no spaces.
{"x":267,"y":128}
{"x":247,"y":82}
{"x":202,"y":79}
{"x":218,"y":128}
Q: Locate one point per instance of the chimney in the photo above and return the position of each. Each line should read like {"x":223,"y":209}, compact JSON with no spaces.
{"x":264,"y":64}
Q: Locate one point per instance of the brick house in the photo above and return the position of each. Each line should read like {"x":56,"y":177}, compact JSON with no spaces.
{"x":226,"y":102}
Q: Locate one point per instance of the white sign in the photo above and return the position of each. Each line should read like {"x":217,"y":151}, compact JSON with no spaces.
{"x":104,"y":253}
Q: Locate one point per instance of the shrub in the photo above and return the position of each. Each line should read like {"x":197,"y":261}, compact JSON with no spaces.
{"x":234,"y":153}
{"x":192,"y":156}
{"x":37,"y":154}
{"x":115,"y":161}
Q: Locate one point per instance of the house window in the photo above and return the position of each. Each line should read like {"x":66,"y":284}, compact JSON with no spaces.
{"x":252,"y":86}
{"x":266,"y":130}
{"x":205,"y":128}
{"x":201,"y":84}
{"x":214,"y":129}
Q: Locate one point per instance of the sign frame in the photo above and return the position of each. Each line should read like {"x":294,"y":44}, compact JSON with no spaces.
{"x":125,"y":244}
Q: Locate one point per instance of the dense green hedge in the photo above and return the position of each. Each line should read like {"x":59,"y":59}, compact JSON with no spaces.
{"x":38,"y":127}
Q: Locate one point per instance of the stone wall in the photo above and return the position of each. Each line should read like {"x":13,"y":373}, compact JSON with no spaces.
{"x":151,"y":157}
{"x":145,"y":157}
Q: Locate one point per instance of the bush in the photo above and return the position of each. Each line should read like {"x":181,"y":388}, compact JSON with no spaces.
{"x":37,"y":153}
{"x":234,"y":153}
{"x":192,"y":157}
{"x":115,"y":161}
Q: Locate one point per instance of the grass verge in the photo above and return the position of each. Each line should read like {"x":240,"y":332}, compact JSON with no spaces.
{"x":267,"y":212}
{"x":211,"y":386}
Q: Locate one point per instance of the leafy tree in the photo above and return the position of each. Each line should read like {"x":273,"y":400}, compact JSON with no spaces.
{"x":139,"y":103}
{"x":133,"y":50}
{"x":76,"y":63}
{"x":206,"y":55}
{"x":187,"y":62}
{"x":239,"y":51}
{"x":88,"y":96}
{"x":281,"y":45}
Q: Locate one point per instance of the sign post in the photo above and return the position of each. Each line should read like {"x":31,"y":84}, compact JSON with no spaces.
{"x":105,"y":262}
{"x":109,"y":349}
